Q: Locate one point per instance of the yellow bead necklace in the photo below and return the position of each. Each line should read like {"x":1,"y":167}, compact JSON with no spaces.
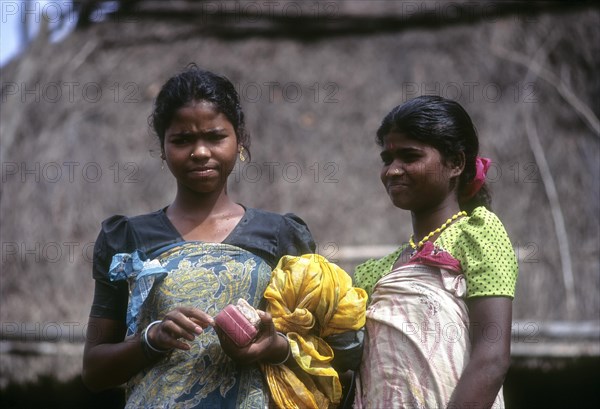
{"x":436,"y":231}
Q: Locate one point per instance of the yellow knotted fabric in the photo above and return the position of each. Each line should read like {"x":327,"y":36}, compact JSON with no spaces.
{"x":310,"y":299}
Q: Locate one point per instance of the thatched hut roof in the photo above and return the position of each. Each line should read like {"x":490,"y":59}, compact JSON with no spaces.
{"x":76,"y":147}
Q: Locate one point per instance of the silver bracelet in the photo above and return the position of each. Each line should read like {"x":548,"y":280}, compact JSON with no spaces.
{"x":146,"y":343}
{"x":281,"y":334}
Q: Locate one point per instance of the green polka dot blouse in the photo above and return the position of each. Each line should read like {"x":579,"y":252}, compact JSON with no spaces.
{"x":481,"y":245}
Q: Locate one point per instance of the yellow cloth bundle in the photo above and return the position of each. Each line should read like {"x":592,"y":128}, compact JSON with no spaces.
{"x":310,"y":299}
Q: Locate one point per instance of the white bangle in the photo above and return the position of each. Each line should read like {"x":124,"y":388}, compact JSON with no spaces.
{"x":146,"y":342}
{"x":289,"y":352}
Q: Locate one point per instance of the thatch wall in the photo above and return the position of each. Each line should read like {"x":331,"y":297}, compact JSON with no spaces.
{"x":73,"y":109}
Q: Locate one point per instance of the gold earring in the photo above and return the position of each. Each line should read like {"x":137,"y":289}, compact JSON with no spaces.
{"x":242,"y":157}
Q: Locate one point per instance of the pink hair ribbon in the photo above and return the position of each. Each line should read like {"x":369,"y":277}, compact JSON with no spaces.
{"x":481,"y":167}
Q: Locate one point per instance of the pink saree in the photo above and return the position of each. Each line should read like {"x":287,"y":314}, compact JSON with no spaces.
{"x":417,"y":341}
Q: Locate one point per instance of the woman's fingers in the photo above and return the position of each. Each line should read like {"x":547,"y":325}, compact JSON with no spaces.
{"x":262,"y":348}
{"x":267,"y":326}
{"x":182,"y":323}
{"x":185,"y":323}
{"x":180,"y":328}
{"x":161,"y":337}
{"x":198,"y":316}
{"x":238,"y":354}
{"x":265,"y":317}
{"x":191,"y":319}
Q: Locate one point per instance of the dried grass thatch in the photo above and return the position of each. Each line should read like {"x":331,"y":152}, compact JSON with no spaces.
{"x":521,"y":78}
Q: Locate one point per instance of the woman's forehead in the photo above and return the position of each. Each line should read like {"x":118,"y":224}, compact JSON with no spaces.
{"x":399,"y":140}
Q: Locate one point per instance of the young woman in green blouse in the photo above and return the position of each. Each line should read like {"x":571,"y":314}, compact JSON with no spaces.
{"x":440,"y":306}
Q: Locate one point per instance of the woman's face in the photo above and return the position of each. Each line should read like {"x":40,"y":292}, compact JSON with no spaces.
{"x":200,"y":147}
{"x":414,"y":174}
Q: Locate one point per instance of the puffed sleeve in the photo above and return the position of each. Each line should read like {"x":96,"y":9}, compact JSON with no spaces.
{"x":294,"y":238}
{"x":486,"y":255}
{"x":110,"y":298}
{"x":367,"y":274}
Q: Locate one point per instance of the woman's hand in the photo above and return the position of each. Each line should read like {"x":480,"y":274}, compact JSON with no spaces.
{"x":110,"y":359}
{"x":267,"y":347}
{"x":179,"y":325}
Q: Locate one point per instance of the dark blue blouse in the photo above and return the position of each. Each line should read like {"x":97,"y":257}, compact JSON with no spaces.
{"x":266,"y":234}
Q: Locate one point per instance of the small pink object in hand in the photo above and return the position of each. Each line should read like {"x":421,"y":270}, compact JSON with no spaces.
{"x":239,"y":322}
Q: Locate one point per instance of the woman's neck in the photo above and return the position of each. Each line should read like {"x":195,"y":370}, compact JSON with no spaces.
{"x":204,"y":217}
{"x":193,"y":205}
{"x":425,"y":222}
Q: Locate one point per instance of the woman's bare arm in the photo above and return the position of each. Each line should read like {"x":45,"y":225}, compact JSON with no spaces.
{"x":490,"y":326}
